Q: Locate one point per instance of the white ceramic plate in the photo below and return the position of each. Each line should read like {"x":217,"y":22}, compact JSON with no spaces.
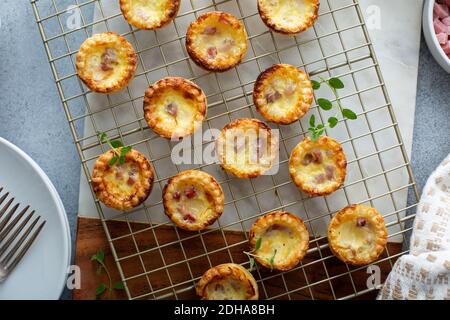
{"x":42,"y":272}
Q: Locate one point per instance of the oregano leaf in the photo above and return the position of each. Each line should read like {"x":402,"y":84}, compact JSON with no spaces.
{"x":349,"y":114}
{"x":332,"y":122}
{"x":116,"y":144}
{"x":315,"y":84}
{"x":100,"y":289}
{"x":112,"y":161}
{"x":252,"y":264}
{"x":325,"y":104}
{"x":312,"y":121}
{"x":258,"y":244}
{"x":336,"y":83}
{"x":119,"y":285}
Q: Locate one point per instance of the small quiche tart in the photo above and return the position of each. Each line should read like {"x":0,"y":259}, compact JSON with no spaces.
{"x":193,"y":200}
{"x":106,"y":62}
{"x":246,"y":148}
{"x":227,"y":281}
{"x":283,"y":93}
{"x":150,"y":15}
{"x":174,"y":107}
{"x":357,"y":235}
{"x":318,"y":168}
{"x":288,"y":16}
{"x":122,"y":186}
{"x":284,"y":240}
{"x":216,"y":41}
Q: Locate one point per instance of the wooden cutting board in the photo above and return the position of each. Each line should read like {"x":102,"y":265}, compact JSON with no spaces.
{"x":91,"y":238}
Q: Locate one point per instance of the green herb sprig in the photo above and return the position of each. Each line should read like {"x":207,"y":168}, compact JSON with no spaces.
{"x":318,"y":129}
{"x":251,"y":255}
{"x":117,"y":146}
{"x":99,"y":257}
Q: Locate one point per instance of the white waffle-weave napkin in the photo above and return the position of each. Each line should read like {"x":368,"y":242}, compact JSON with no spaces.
{"x":424,"y":274}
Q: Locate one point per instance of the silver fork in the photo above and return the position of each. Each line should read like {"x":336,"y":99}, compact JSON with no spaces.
{"x":15,"y":236}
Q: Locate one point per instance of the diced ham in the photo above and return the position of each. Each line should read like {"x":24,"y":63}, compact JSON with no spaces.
{"x":439,"y":27}
{"x":172,"y":109}
{"x":441,"y":10}
{"x":329,"y":172}
{"x":190,"y":192}
{"x":273,"y":96}
{"x":317,"y":155}
{"x":187,"y":215}
{"x":108,"y":59}
{"x":320,"y":178}
{"x":212,"y":52}
{"x":210,"y":30}
{"x":307,"y":159}
{"x":130,"y":181}
{"x":289,"y":89}
{"x":227,"y":44}
{"x":442,"y":38}
{"x":446,"y":48}
{"x":446,"y":21}
{"x":361,"y":222}
{"x":176,"y":195}
{"x":119,"y":175}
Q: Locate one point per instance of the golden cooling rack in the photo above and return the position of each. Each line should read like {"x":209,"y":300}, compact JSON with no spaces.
{"x":167,"y":262}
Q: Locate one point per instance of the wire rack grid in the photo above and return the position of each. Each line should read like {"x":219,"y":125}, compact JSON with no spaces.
{"x":167,"y":262}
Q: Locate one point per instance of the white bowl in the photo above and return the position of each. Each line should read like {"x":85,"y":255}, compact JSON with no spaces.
{"x":430,"y":36}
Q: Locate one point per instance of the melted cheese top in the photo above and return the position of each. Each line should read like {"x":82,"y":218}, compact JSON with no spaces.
{"x":309,"y":173}
{"x":360,"y":241}
{"x":226,"y":289}
{"x":280,"y":238}
{"x":220,"y":40}
{"x":287,"y":85}
{"x":200,"y":206}
{"x":186,"y":111}
{"x":247,"y":148}
{"x":290,"y":13}
{"x":94,"y":65}
{"x":121,"y":180}
{"x":152,"y":12}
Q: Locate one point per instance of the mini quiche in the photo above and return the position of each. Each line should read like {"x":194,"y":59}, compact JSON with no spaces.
{"x":106,"y":62}
{"x":122,"y":186}
{"x":216,"y":41}
{"x":150,"y":15}
{"x":193,"y":200}
{"x":283,"y":93}
{"x":357,"y":235}
{"x":227,"y":281}
{"x":246,"y":148}
{"x":318,"y":168}
{"x":283,"y":240}
{"x":174,"y":107}
{"x":288,"y":16}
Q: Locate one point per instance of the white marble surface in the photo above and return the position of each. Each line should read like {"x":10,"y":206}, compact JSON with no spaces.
{"x":396,"y":40}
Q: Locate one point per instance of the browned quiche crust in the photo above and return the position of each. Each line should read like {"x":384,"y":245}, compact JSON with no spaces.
{"x":285,"y":87}
{"x":251,"y":170}
{"x":106,"y":74}
{"x":211,"y":282}
{"x":368,"y":235}
{"x":278,"y":24}
{"x":182,"y":87}
{"x":116,"y":199}
{"x":331,"y":151}
{"x":289,"y":253}
{"x":169,"y":12}
{"x":201,"y":187}
{"x":198,"y":33}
